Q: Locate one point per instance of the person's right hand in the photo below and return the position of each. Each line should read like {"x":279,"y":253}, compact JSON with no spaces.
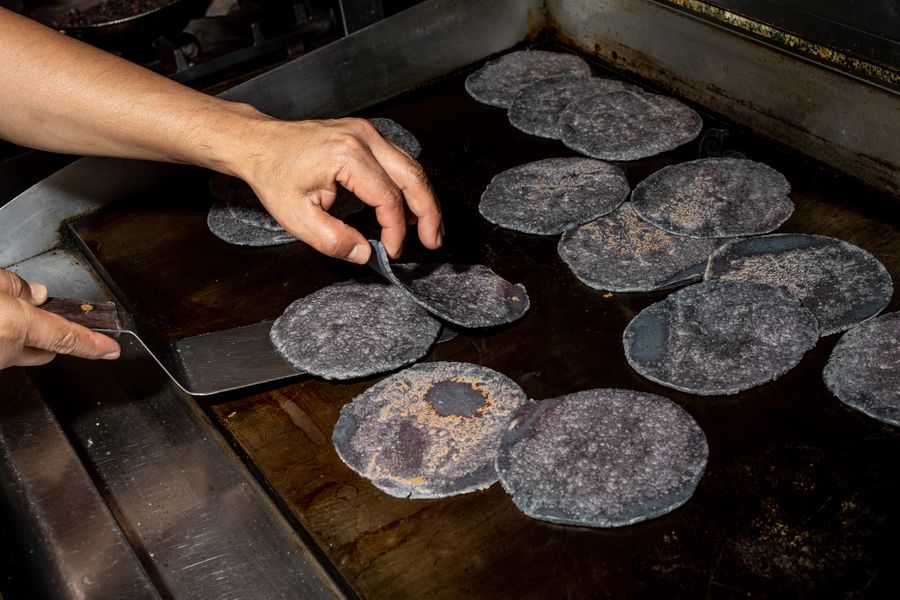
{"x":31,"y":336}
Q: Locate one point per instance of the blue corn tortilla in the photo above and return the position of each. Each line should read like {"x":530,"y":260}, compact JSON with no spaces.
{"x":601,"y":458}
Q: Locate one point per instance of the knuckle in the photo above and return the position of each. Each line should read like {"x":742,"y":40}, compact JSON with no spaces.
{"x":348,"y":145}
{"x":362,"y":126}
{"x":329,"y":243}
{"x":67,"y":343}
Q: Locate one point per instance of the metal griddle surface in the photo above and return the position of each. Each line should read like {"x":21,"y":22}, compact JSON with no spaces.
{"x":800,"y":494}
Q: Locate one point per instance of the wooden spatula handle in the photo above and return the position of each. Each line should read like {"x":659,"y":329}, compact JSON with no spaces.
{"x":96,"y":315}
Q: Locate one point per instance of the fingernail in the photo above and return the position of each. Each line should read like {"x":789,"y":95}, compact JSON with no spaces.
{"x":360,"y":254}
{"x":440,"y":238}
{"x":38,"y":291}
{"x":111,"y":355}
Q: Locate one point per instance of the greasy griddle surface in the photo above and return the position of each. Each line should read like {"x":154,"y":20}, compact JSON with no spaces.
{"x":800,"y":493}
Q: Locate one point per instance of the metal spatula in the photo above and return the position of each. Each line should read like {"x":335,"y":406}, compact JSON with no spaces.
{"x":200,"y":365}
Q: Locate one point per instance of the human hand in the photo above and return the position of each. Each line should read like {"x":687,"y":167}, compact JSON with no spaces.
{"x":295,"y":167}
{"x":31,"y":336}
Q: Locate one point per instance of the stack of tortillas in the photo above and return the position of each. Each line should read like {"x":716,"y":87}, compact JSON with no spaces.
{"x":553,"y":95}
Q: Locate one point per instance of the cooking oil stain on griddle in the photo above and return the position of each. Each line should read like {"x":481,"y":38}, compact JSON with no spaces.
{"x":456,"y":398}
{"x":302,"y":420}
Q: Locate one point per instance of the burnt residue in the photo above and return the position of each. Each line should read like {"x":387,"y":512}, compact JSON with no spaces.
{"x":456,"y":398}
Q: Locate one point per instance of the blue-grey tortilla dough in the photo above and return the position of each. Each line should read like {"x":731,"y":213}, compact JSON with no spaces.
{"x":627,"y":125}
{"x":715,"y":197}
{"x":622,"y":253}
{"x":864,"y":369}
{"x":720,"y":337}
{"x":465,"y":295}
{"x":537,"y":107}
{"x":225,"y":226}
{"x":498,"y":81}
{"x":842,"y":284}
{"x":553,"y":195}
{"x":429,"y":431}
{"x":352,"y":329}
{"x":601,"y":458}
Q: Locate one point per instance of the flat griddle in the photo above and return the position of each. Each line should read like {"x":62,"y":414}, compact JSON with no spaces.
{"x":800,"y":494}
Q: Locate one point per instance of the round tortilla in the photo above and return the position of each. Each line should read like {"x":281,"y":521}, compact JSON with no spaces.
{"x":498,"y":81}
{"x":537,"y":107}
{"x":715,"y":197}
{"x":720,"y":337}
{"x":622,"y":253}
{"x":429,"y":431}
{"x":601,"y":458}
{"x":842,"y":284}
{"x":549,"y":196}
{"x":627,"y":125}
{"x":465,"y":295}
{"x":863,"y":369}
{"x":352,"y":329}
{"x":229,"y":229}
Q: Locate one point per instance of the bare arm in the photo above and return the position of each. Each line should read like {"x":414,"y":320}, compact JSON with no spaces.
{"x":62,"y":95}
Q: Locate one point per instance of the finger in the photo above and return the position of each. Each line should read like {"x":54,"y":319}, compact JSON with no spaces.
{"x":46,"y":331}
{"x":12,"y":284}
{"x":32,"y":357}
{"x":408,"y":175}
{"x":365,"y":177}
{"x":332,"y":236}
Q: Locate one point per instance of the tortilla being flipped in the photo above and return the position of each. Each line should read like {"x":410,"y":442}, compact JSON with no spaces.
{"x":601,"y":458}
{"x":429,"y":431}
{"x":465,"y":295}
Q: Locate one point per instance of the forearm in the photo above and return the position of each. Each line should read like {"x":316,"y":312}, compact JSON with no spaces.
{"x":62,"y":95}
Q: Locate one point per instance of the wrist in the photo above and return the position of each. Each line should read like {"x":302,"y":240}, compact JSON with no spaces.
{"x":229,"y":136}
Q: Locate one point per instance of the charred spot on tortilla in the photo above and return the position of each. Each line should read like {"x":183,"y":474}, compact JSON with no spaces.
{"x":498,"y":81}
{"x":351,"y":329}
{"x":227,"y":228}
{"x":715,"y":197}
{"x":429,"y":431}
{"x":622,"y":253}
{"x":549,"y":196}
{"x":862,"y":371}
{"x":469,"y":296}
{"x":537,"y":107}
{"x":601,"y":458}
{"x":627,"y":125}
{"x":842,"y":284}
{"x":720,"y":337}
